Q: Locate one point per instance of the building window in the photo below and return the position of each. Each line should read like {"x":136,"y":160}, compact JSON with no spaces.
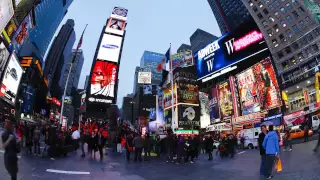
{"x":295,"y":14}
{"x":289,"y":6}
{"x":288,"y":50}
{"x":307,"y":19}
{"x":300,"y":56}
{"x":250,"y":3}
{"x":295,"y":28}
{"x":289,"y":33}
{"x":276,"y":27}
{"x":265,"y":23}
{"x":277,"y":15}
{"x":260,"y":16}
{"x":283,"y":23}
{"x":275,"y":42}
{"x":271,"y":7}
{"x":265,"y":11}
{"x":280,"y":55}
{"x":295,"y":46}
{"x":266,"y":1}
{"x":255,"y":9}
{"x":283,"y":10}
{"x":294,"y":2}
{"x":301,"y":9}
{"x":277,"y":3}
{"x":282,"y":38}
{"x":271,"y":19}
{"x":260,"y":4}
{"x":289,"y":19}
{"x":301,"y":24}
{"x":270,"y":32}
{"x":315,"y":47}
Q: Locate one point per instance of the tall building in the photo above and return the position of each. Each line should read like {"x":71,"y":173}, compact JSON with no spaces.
{"x":86,"y":82}
{"x":149,"y":62}
{"x":75,"y":71}
{"x":135,"y":81}
{"x":184,"y":47}
{"x":200,"y":39}
{"x":59,"y":56}
{"x":229,"y":14}
{"x":48,"y":16}
{"x":127,"y":108}
{"x":292,"y":35}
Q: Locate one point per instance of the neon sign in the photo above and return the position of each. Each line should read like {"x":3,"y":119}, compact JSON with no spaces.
{"x":247,"y":40}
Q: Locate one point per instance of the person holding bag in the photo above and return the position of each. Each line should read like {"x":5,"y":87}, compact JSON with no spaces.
{"x":271,"y":145}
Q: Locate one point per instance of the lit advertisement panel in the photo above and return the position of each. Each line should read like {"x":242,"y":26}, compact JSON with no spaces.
{"x":6,"y":12}
{"x":4,"y":56}
{"x":103,"y":82}
{"x":22,"y":34}
{"x":115,"y":26}
{"x":182,"y":59}
{"x":214,"y":106}
{"x":10,"y":29}
{"x":189,"y":117}
{"x":120,"y":13}
{"x":229,"y":49}
{"x":167,"y":97}
{"x":248,"y":92}
{"x":109,"y":49}
{"x":11,"y":80}
{"x":268,"y":88}
{"x":187,"y":93}
{"x":204,"y":109}
{"x":225,"y":101}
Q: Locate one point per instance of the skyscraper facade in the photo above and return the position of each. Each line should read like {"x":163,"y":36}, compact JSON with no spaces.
{"x":200,"y":39}
{"x":149,"y":62}
{"x":75,"y":71}
{"x":229,"y":14}
{"x":48,"y":16}
{"x":135,"y":81}
{"x":184,"y":47}
{"x":59,"y":56}
{"x":292,"y":33}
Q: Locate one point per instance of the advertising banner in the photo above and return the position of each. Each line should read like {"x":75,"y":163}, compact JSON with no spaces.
{"x":103,"y":81}
{"x":120,"y":13}
{"x":248,"y":92}
{"x":147,"y":89}
{"x":182,"y":59}
{"x":229,"y":49}
{"x":22,"y":34}
{"x":115,"y":26}
{"x":6,"y":12}
{"x":187,"y":93}
{"x":214,"y":106}
{"x":167,"y":97}
{"x":268,"y":88}
{"x":225,"y":102}
{"x":28,"y":96}
{"x":109,"y":49}
{"x":235,"y":97}
{"x":11,"y":80}
{"x":83,"y":103}
{"x":144,"y":77}
{"x":10,"y":29}
{"x":205,"y":110}
{"x":4,"y":56}
{"x":189,"y":117}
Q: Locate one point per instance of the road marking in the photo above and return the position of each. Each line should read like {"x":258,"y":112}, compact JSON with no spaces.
{"x":2,"y":151}
{"x":67,"y":172}
{"x":241,"y":152}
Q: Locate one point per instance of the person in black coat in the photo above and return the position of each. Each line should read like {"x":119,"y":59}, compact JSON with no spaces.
{"x":129,"y":146}
{"x":190,"y":148}
{"x":209,"y":147}
{"x":261,"y":137}
{"x":230,"y":145}
{"x":100,"y":141}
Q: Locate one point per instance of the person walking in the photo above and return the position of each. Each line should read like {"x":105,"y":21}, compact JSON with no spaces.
{"x":119,"y":139}
{"x":181,"y":148}
{"x":82,"y":142}
{"x":209,"y":147}
{"x":12,"y":148}
{"x":190,"y":146}
{"x":271,"y":145}
{"x":287,"y":141}
{"x":262,"y":135}
{"x":129,"y":146}
{"x":230,"y":145}
{"x":138,"y":145}
{"x":169,"y":143}
{"x":36,"y":141}
{"x":100,"y":144}
{"x":147,"y":147}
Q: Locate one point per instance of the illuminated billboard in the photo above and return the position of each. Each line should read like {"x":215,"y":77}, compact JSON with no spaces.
{"x":103,"y":82}
{"x":9,"y":30}
{"x":11,"y":80}
{"x":109,"y":49}
{"x":119,"y":13}
{"x":6,"y":12}
{"x":22,"y":34}
{"x":182,"y":59}
{"x":228,"y":50}
{"x":4,"y":55}
{"x":225,"y":101}
{"x":115,"y":26}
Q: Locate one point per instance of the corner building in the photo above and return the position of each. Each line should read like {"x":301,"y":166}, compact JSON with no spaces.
{"x":292,"y":33}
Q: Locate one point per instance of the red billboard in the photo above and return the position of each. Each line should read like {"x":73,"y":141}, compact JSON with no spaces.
{"x":103,"y":81}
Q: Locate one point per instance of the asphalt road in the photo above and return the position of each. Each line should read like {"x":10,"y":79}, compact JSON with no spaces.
{"x":300,"y":164}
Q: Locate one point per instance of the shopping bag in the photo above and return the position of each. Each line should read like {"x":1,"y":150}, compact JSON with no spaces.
{"x":279,"y":165}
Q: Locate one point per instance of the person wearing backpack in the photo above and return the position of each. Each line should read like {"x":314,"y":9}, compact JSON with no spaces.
{"x":12,"y":148}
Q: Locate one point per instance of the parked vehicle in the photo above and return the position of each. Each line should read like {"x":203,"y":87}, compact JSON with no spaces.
{"x":298,"y":133}
{"x":315,"y":123}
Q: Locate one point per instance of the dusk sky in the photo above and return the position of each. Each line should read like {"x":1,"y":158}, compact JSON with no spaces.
{"x":152,"y":25}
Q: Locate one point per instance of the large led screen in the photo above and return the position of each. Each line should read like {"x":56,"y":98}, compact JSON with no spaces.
{"x":4,"y":55}
{"x":22,"y":34}
{"x":109,"y":49}
{"x":120,"y":13}
{"x":104,"y":78}
{"x":11,"y":79}
{"x":116,"y":26}
{"x":229,"y":49}
{"x":6,"y":12}
{"x":225,"y":101}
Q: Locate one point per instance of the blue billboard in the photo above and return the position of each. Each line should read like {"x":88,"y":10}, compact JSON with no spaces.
{"x":229,"y":49}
